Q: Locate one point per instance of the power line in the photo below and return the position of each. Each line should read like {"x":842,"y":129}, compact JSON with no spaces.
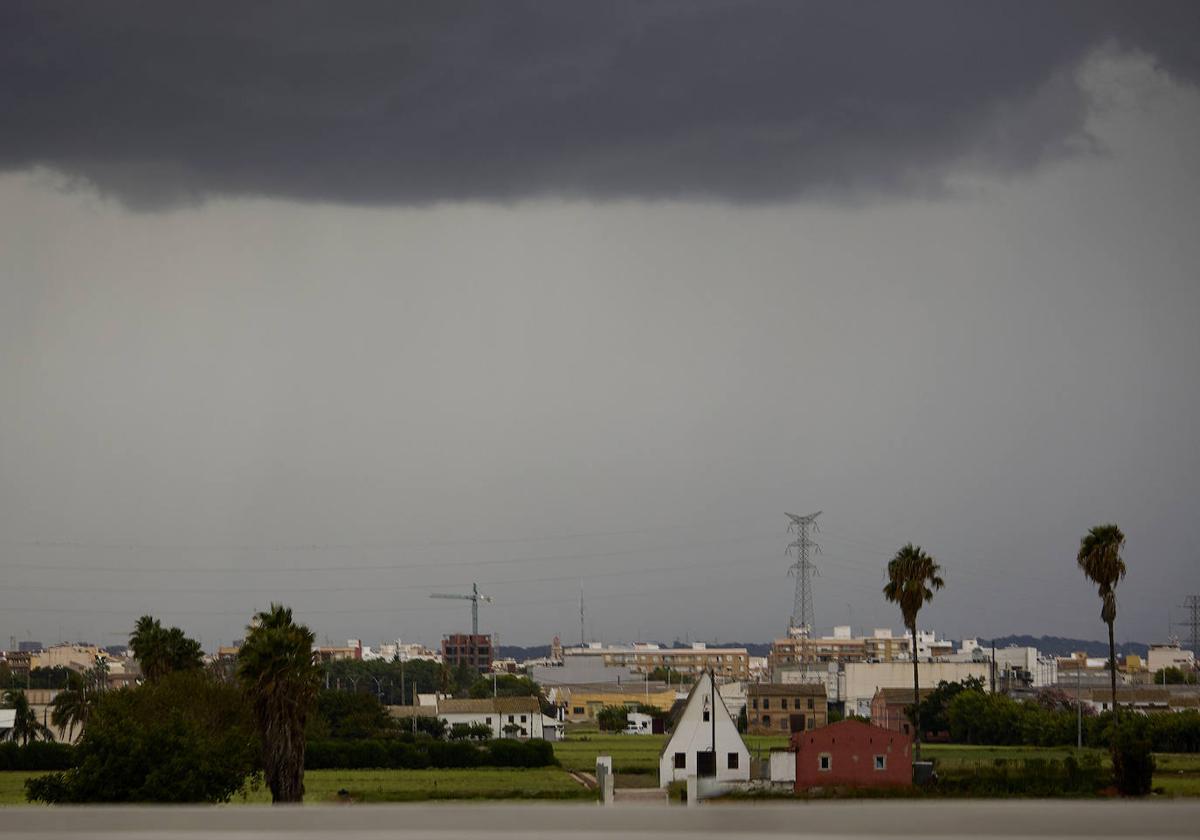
{"x":545,"y":558}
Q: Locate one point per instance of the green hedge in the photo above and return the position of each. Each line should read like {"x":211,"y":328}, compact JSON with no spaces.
{"x":993,"y":719}
{"x":37,"y":755}
{"x":369,"y":754}
{"x":1032,"y":777}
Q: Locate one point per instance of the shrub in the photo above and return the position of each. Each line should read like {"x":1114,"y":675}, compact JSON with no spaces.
{"x":1133,"y":765}
{"x":185,"y":738}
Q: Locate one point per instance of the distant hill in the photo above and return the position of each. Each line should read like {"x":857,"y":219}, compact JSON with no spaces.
{"x":1059,"y":646}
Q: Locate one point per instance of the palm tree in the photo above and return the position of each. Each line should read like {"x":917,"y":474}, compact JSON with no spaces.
{"x":160,"y":650}
{"x":74,"y":706}
{"x":276,"y":666}
{"x":26,"y":726}
{"x":1100,"y":559}
{"x":147,"y":643}
{"x":912,"y":578}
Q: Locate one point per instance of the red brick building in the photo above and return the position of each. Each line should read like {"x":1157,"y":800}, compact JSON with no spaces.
{"x":467,"y":649}
{"x":851,"y":753}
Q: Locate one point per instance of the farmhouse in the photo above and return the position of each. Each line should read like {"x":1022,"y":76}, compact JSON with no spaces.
{"x":853,"y":754}
{"x":705,"y":742}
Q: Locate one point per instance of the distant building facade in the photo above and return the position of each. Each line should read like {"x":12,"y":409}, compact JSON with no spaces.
{"x":475,"y":651}
{"x":725,"y":663}
{"x":782,"y":709}
{"x":841,"y":647}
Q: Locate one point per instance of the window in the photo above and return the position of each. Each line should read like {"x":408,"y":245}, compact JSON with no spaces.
{"x":731,"y":761}
{"x":706,"y":715}
{"x":812,"y":722}
{"x":766,"y":720}
{"x":754,"y":703}
{"x":766,"y":702}
{"x":523,"y":719}
{"x":783,"y":703}
{"x":810,"y":705}
{"x":488,"y":721}
{"x":825,"y":762}
{"x":680,"y":761}
{"x":881,"y":762}
{"x":578,"y":710}
{"x":783,"y":724}
{"x":510,"y":718}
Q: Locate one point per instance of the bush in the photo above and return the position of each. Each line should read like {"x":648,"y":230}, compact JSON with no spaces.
{"x":36,"y":755}
{"x":1133,"y":765}
{"x":1034,"y":777}
{"x":511,"y":753}
{"x":186,"y":738}
{"x":341,"y":714}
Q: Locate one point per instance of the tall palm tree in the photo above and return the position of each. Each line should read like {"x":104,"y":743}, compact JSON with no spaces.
{"x":1100,"y":559}
{"x":74,"y":705}
{"x":276,"y":666}
{"x":26,"y":726}
{"x":912,"y":578}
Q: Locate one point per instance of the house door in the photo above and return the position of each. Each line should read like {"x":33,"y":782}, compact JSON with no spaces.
{"x":796,"y":723}
{"x":706,"y":764}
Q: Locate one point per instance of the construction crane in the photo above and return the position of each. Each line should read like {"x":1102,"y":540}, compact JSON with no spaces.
{"x":474,"y":598}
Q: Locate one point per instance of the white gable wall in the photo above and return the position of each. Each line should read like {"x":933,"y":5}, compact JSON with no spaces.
{"x":693,"y":734}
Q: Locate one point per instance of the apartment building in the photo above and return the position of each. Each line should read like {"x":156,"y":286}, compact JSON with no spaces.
{"x":779,"y":709}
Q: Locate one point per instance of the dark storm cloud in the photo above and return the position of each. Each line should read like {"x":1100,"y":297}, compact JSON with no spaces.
{"x":409,"y":103}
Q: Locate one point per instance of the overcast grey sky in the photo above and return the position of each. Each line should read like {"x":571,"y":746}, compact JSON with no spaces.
{"x":342,"y":310}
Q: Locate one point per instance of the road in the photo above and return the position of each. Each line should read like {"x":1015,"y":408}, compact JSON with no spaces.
{"x":460,"y":821}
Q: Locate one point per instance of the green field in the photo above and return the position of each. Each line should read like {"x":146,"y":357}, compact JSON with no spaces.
{"x":397,"y":785}
{"x":635,"y":758}
{"x":635,"y":753}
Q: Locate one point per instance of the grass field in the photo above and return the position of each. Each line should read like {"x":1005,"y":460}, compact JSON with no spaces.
{"x":635,"y":753}
{"x":635,"y":758}
{"x":397,"y":785}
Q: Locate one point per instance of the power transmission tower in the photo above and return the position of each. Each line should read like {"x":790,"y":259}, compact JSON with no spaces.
{"x":1192,"y":622}
{"x":802,"y":548}
{"x":582,"y":640}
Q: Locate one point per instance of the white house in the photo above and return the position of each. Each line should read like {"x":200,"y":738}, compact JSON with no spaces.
{"x":520,"y":716}
{"x":705,"y":723}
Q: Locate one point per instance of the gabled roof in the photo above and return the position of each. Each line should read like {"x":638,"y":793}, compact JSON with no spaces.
{"x":676,"y":717}
{"x":488,"y":705}
{"x":830,"y":732}
{"x":899,"y":695}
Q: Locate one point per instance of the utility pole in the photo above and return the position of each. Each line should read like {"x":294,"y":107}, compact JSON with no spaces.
{"x":802,"y":620}
{"x":1078,"y":709}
